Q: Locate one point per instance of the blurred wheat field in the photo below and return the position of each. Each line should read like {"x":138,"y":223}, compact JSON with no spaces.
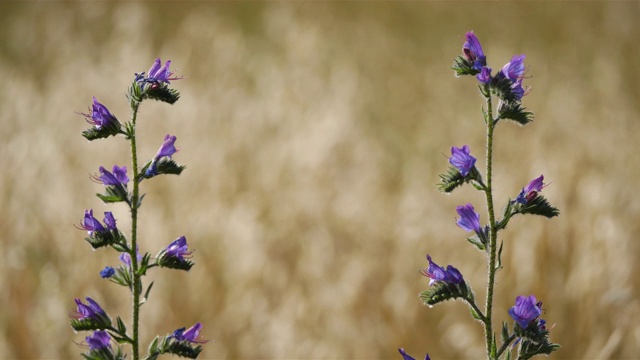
{"x":313,"y":134}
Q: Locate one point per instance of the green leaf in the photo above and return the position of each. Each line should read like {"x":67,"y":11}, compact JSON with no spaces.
{"x":452,"y":179}
{"x":146,"y":294}
{"x":462,"y":66}
{"x":538,"y":206}
{"x":441,"y":291}
{"x":513,"y":110}
{"x":475,"y":240}
{"x":499,"y":262}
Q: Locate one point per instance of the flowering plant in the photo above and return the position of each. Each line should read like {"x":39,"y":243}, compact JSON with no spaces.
{"x":107,"y":332}
{"x":528,"y":331}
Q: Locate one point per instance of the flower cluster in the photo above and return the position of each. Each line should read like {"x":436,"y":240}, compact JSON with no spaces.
{"x":529,"y":331}
{"x":106,"y":331}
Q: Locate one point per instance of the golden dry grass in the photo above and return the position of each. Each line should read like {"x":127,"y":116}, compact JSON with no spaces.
{"x":313,"y":135}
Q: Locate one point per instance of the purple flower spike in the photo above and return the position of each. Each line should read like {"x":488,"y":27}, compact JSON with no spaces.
{"x":472,"y":50}
{"x":191,"y":335}
{"x":167,"y":148}
{"x":462,"y":160}
{"x":91,"y":310}
{"x":437,"y":273}
{"x":118,"y":177}
{"x":514,"y":69}
{"x":99,"y":340}
{"x":178,"y":248}
{"x":525,"y":310}
{"x":90,"y":223}
{"x":100,"y":116}
{"x":469,"y":220}
{"x":531,"y":191}
{"x":406,"y":356}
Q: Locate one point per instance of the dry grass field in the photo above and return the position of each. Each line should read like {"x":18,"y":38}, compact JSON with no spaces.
{"x":313,"y":135}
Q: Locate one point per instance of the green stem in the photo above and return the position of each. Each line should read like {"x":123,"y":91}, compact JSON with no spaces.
{"x":134,"y":235}
{"x":505,"y":345}
{"x":492,"y":231}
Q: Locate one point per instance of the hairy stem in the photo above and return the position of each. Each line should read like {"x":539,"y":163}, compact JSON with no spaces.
{"x":488,"y":330}
{"x":134,"y":236}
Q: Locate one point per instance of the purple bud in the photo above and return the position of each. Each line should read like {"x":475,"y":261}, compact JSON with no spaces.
{"x":90,"y":223}
{"x":525,"y":310}
{"x":167,"y":148}
{"x":99,"y":340}
{"x":531,"y":191}
{"x":126,"y":258}
{"x":90,"y":310}
{"x":406,"y":356}
{"x":469,"y":220}
{"x":462,"y":160}
{"x":107,"y":272}
{"x":192,"y":334}
{"x":485,"y":75}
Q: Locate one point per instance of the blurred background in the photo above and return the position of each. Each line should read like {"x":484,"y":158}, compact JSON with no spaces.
{"x":313,"y":135}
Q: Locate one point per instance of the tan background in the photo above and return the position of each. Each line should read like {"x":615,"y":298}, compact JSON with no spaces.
{"x":313,"y":135}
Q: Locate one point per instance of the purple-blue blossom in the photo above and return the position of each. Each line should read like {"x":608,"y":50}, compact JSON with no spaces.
{"x":167,"y":148}
{"x":525,"y":310}
{"x":90,"y":223}
{"x":472,"y":50}
{"x":178,"y":248}
{"x":469,"y":220}
{"x":406,"y":356}
{"x":461,"y":158}
{"x":117,"y":177}
{"x":100,"y":116}
{"x":99,"y":340}
{"x":514,"y":69}
{"x":437,"y":273}
{"x":531,"y":191}
{"x":90,"y":310}
{"x":192,"y":334}
{"x":159,"y":73}
{"x":107,"y":272}
{"x":109,"y":220}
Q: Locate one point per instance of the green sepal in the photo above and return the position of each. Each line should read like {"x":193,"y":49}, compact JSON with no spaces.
{"x":129,"y":131}
{"x":144,"y":264}
{"x":115,"y":193}
{"x":173,"y":262}
{"x":462,"y":66}
{"x":100,"y":322}
{"x":494,"y":347}
{"x":537,"y":206}
{"x":475,"y":314}
{"x":501,"y":87}
{"x":122,"y":276}
{"x":121,"y":327}
{"x":161,"y":92}
{"x":505,"y":332}
{"x":441,"y":291}
{"x":475,"y":240}
{"x":499,"y":259}
{"x":105,"y":238}
{"x":513,"y":110}
{"x":506,"y":215}
{"x":453,"y":178}
{"x":535,"y":340}
{"x":135,"y":94}
{"x":112,"y":129}
{"x":163,"y":166}
{"x":168,"y":345}
{"x":104,"y":354}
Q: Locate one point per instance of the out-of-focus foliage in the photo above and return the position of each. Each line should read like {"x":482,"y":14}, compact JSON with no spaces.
{"x":313,"y":136}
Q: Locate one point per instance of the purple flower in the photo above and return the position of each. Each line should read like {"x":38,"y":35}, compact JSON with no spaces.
{"x":107,"y":272}
{"x":99,"y":340}
{"x":472,"y":50}
{"x":91,"y":310}
{"x":167,"y":148}
{"x":158,"y":73}
{"x":485,"y":75}
{"x":436,"y":273}
{"x":100,"y":116}
{"x":517,"y":90}
{"x":178,"y":248}
{"x":406,"y":356}
{"x":90,"y":223}
{"x":109,"y":220}
{"x":514,"y":69}
{"x":462,"y":160}
{"x":525,"y":310}
{"x":118,"y":177}
{"x":530,"y":191}
{"x":192,"y":334}
{"x":469,"y":220}
{"x":126,"y":258}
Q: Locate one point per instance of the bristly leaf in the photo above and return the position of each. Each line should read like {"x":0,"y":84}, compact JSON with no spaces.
{"x":462,"y":66}
{"x":501,"y":87}
{"x":163,"y":166}
{"x":513,"y":110}
{"x":442,"y":291}
{"x":499,"y":262}
{"x":100,"y":239}
{"x":538,"y":206}
{"x":161,"y":92}
{"x":146,"y":294}
{"x":115,"y":193}
{"x":168,"y":345}
{"x":452,"y":179}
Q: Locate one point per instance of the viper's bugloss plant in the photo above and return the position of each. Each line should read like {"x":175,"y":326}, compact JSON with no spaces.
{"x":107,"y":333}
{"x":527,"y":331}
